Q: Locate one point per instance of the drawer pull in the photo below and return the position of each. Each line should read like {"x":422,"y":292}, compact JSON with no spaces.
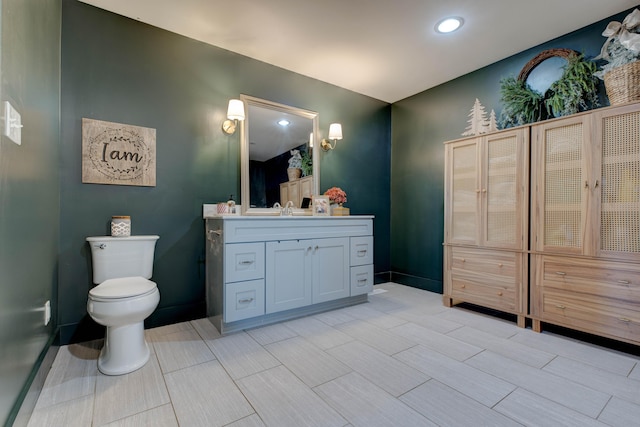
{"x":362,"y":252}
{"x":500,"y":265}
{"x":245,"y":300}
{"x":624,"y":282}
{"x":560,"y":306}
{"x":463,"y":260}
{"x":247,"y":262}
{"x":484,"y":190}
{"x":499,"y":294}
{"x":561,"y":273}
{"x":463,"y":286}
{"x":625,"y":320}
{"x":362,"y":281}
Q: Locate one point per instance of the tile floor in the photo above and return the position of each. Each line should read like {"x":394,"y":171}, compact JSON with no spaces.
{"x":402,"y":359}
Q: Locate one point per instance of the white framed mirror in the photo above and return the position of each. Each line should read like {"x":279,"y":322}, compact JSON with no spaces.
{"x":265,"y":151}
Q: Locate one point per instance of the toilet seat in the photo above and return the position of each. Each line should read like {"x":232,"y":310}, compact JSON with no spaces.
{"x":121,"y":288}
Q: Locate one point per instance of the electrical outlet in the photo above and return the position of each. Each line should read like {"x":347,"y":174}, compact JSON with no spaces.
{"x":12,"y":123}
{"x":47,"y":312}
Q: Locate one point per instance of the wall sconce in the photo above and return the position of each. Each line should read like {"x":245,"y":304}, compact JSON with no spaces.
{"x":235,"y":112}
{"x":335,"y":134}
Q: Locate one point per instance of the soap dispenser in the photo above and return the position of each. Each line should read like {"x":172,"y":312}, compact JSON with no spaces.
{"x":231,"y":205}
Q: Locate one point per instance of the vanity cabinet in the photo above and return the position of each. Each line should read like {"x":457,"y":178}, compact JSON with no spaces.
{"x":486,"y":221}
{"x":262,"y":270}
{"x":296,"y":190}
{"x":585,"y":229}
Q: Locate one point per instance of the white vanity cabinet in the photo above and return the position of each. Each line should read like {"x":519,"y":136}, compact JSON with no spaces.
{"x":262,"y":270}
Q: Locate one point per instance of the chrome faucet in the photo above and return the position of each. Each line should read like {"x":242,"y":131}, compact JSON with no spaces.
{"x":288,"y":209}
{"x":276,"y":205}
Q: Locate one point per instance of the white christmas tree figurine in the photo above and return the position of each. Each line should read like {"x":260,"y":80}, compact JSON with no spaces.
{"x":493,"y":123}
{"x":478,"y":122}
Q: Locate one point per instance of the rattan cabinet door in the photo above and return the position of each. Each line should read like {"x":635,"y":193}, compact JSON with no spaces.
{"x":561,"y":185}
{"x":618,"y":189}
{"x":462,"y":192}
{"x":504,"y":192}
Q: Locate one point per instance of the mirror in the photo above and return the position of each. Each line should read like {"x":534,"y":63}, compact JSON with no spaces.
{"x":265,"y":153}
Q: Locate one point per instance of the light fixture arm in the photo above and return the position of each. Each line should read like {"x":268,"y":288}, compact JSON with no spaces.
{"x":335,"y":133}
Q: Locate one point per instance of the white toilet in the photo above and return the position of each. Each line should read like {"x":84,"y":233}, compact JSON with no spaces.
{"x":123,"y":298}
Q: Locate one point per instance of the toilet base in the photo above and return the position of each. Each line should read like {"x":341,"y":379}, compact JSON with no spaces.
{"x":125,"y":349}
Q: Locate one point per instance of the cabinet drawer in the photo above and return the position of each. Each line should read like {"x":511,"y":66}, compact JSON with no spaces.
{"x":243,"y":300}
{"x":485,"y":289}
{"x":361,"y":279}
{"x":615,"y":280}
{"x":361,"y":250}
{"x":599,"y":315}
{"x":484,"y":261}
{"x":244,"y":261}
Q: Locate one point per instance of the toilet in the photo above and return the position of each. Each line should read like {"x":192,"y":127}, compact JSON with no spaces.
{"x":123,"y":298}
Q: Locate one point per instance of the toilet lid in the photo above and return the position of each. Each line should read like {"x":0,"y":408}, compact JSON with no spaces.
{"x":124,"y":287}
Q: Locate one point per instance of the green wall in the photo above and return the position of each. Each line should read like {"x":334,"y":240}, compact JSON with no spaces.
{"x":420,"y":125}
{"x":29,"y":190}
{"x":120,"y":70}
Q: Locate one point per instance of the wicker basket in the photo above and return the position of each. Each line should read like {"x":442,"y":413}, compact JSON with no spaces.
{"x":623,"y":83}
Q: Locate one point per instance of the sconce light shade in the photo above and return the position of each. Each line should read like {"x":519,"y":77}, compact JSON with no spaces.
{"x":335,"y":131}
{"x":311,"y":140}
{"x":335,"y":134}
{"x":235,"y":112}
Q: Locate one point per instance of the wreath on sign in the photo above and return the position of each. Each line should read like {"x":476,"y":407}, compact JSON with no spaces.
{"x":576,"y":90}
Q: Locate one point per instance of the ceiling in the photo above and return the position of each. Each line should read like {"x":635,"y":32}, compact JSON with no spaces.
{"x":385,"y":49}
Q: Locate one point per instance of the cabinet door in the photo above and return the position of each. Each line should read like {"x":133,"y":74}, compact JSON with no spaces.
{"x":306,"y":189}
{"x":288,"y":274}
{"x":462,"y":190}
{"x":561,"y":182}
{"x":504,"y":178}
{"x":284,"y":193}
{"x":331,"y":269}
{"x":618,"y":190}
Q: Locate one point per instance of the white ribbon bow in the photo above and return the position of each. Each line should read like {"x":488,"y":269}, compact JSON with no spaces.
{"x":623,"y":32}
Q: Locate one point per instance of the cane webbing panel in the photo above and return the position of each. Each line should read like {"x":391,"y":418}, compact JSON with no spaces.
{"x":563,"y":191}
{"x":501,"y":190}
{"x":463,"y":224}
{"x":620,"y":212}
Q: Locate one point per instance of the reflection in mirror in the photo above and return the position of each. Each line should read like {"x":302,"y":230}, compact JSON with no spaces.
{"x":267,"y":144}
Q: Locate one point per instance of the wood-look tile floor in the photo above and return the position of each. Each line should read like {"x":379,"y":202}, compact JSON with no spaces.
{"x":403,"y":359}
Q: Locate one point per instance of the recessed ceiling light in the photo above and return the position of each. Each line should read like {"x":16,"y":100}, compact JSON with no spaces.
{"x":283,"y":122}
{"x":449,"y":25}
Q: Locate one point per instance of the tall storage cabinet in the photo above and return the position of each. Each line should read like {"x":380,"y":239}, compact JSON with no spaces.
{"x":486,"y":221}
{"x":585,"y":230}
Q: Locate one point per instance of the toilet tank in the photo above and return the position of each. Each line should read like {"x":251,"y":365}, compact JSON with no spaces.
{"x":114,"y":257}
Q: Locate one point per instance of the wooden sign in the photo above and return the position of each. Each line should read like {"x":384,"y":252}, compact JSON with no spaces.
{"x":113,"y":153}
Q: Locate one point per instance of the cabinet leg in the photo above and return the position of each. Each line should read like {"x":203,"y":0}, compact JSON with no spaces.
{"x":522,"y":321}
{"x":446,"y":300}
{"x":536,"y":325}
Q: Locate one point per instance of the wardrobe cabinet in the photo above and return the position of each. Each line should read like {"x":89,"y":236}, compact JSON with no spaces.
{"x":585,"y":223}
{"x":486,"y":221}
{"x":296,"y":190}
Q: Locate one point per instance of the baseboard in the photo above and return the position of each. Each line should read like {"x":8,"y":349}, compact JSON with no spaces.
{"x":417,"y":282}
{"x":26,"y":402}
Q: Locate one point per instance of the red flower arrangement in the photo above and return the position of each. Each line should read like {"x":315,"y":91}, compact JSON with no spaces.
{"x":336,"y":195}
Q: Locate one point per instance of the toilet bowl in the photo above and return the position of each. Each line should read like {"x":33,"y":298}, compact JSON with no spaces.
{"x":123,"y":299}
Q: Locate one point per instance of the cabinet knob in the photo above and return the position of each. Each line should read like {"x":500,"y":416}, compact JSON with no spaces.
{"x":484,"y":190}
{"x":499,"y":294}
{"x":463,"y":286}
{"x":477,"y":190}
{"x":500,"y":265}
{"x":463,"y":260}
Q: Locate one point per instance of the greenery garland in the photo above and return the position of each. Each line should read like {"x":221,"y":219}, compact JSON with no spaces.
{"x":576,"y":90}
